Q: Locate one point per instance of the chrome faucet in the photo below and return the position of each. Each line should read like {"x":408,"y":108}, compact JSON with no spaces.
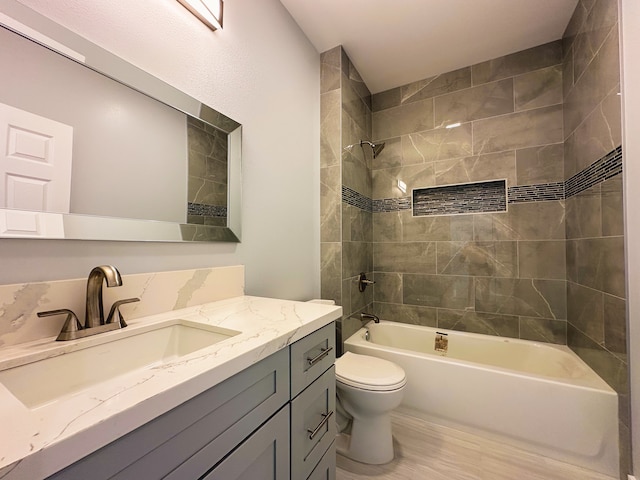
{"x":94,"y":322}
{"x":94,"y":313}
{"x":369,"y":316}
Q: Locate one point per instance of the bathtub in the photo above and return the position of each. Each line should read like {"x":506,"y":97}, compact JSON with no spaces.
{"x":539,"y":397}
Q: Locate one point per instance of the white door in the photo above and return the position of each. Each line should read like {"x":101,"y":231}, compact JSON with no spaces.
{"x":35,"y":162}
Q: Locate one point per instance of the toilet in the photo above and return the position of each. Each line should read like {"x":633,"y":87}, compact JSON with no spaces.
{"x":367,"y":389}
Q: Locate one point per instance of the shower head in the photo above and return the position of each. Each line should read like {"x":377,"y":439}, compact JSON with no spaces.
{"x":377,"y":148}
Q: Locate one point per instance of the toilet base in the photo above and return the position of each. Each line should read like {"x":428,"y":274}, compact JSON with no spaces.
{"x":370,"y":442}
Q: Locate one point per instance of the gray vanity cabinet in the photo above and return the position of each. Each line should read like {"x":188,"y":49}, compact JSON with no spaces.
{"x":254,"y":425}
{"x":313,"y":400}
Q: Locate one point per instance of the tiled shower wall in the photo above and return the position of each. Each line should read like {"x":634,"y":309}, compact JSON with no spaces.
{"x":492,"y":273}
{"x":596,"y":303}
{"x":207,"y":188}
{"x":346,"y":229}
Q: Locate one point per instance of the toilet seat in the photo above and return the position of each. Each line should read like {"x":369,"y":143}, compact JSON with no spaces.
{"x":369,"y":373}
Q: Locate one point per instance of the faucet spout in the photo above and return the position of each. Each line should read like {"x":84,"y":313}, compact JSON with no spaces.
{"x":369,"y":316}
{"x":94,"y":311}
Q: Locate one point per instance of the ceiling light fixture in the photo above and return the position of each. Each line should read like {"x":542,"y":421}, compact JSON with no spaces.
{"x":208,"y":11}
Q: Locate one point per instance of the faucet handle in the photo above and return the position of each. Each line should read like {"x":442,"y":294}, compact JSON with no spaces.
{"x":115,"y":315}
{"x":71,"y":324}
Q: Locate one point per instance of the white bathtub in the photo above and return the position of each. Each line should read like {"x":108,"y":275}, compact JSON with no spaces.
{"x":537,"y":396}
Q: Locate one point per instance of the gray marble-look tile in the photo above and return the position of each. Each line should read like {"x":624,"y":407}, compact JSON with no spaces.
{"x":385,"y":182}
{"x":572,"y":262}
{"x":567,"y":73}
{"x":576,"y":23}
{"x":330,"y":112}
{"x":330,"y":69}
{"x":387,"y":226}
{"x":542,"y":259}
{"x":356,"y":82}
{"x":200,"y":190}
{"x":330,"y":271}
{"x":443,"y":291}
{"x":601,"y":265}
{"x":437,"y":144}
{"x":330,"y":204}
{"x":477,"y":258}
{"x":357,"y":257}
{"x":609,"y":367}
{"x":357,"y":224}
{"x":489,"y":100}
{"x":600,"y":21}
{"x":615,"y":325}
{"x":405,"y":257}
{"x":390,"y":156}
{"x":355,"y":173}
{"x":216,"y":170}
{"x":598,"y":134}
{"x":436,"y":228}
{"x":544,"y":164}
{"x":360,"y":301}
{"x":543,"y":330}
{"x":523,"y":297}
{"x":600,"y":79}
{"x":387,"y":99}
{"x":412,"y":314}
{"x":409,"y":118}
{"x":474,"y":322}
{"x":517,"y":63}
{"x":354,"y":106}
{"x":436,"y":85}
{"x":477,"y":168}
{"x":540,"y":126}
{"x":523,"y":221}
{"x":584,"y":219}
{"x":612,"y":207}
{"x":539,"y":88}
{"x":585,"y":310}
{"x":388,"y":287}
{"x":346,"y":297}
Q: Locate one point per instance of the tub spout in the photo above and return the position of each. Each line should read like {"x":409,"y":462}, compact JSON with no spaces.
{"x":369,"y":316}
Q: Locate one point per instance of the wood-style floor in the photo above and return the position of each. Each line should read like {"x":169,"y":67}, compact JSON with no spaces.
{"x":425,"y":451}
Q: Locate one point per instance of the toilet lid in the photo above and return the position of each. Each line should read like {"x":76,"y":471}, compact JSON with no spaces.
{"x":369,"y":373}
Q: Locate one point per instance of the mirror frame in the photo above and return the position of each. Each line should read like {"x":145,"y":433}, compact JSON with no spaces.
{"x":27,"y":23}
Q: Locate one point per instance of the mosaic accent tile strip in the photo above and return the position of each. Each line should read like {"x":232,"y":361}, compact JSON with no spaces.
{"x":536,"y":193}
{"x":466,"y":198}
{"x":603,"y":169}
{"x":203,"y":210}
{"x":356,"y":199}
{"x":391,"y":204}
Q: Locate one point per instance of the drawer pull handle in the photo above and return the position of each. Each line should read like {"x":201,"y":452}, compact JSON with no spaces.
{"x":325,"y":419}
{"x":320,"y":356}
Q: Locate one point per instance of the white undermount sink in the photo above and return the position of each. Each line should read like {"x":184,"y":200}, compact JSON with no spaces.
{"x":107,"y":356}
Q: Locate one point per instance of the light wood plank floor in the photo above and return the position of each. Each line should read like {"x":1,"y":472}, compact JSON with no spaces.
{"x":425,"y":451}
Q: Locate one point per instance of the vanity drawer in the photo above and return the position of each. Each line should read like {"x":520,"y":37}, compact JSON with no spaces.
{"x":188,"y":440}
{"x":313,"y":424}
{"x":311,"y":356}
{"x":326,"y":468}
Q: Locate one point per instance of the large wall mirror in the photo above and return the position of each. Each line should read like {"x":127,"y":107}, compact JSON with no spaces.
{"x":92,"y":147}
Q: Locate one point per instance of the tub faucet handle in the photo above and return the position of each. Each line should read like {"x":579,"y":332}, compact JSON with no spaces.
{"x":363,"y":282}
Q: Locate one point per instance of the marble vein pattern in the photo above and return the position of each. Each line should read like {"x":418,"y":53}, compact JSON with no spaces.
{"x":158,"y":292}
{"x":36,"y":442}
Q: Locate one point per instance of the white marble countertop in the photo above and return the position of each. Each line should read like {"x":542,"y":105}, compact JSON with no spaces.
{"x":37,"y":442}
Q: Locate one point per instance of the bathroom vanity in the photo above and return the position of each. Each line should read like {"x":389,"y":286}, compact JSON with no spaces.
{"x":256,"y":404}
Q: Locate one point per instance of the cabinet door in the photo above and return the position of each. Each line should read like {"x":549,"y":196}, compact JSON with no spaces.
{"x":263,"y":456}
{"x":313,"y":424}
{"x":326,"y":468}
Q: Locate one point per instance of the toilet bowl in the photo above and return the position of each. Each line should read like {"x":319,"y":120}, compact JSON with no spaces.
{"x":368,"y":388}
